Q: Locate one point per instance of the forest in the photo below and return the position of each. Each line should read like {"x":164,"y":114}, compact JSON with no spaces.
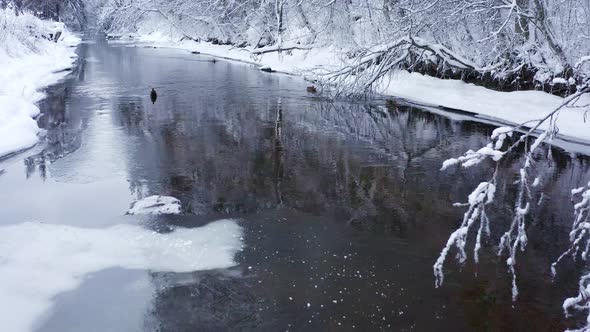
{"x":503,"y":44}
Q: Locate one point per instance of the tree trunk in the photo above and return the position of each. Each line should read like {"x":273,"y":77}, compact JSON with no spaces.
{"x":279,"y":7}
{"x":545,"y":28}
{"x":57,"y":13}
{"x":306,"y":20}
{"x":387,"y":11}
{"x":522,"y":24}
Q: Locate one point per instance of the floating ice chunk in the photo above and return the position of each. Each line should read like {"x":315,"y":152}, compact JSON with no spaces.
{"x":39,"y":261}
{"x":156,"y":205}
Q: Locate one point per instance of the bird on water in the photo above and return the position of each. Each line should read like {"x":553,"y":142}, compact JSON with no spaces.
{"x":153,"y":96}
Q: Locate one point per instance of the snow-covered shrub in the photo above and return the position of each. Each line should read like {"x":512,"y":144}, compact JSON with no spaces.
{"x":22,"y":34}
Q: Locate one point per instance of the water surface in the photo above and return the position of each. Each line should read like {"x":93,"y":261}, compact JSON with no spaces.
{"x":344,"y":206}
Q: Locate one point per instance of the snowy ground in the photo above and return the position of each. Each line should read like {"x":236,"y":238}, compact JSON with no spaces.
{"x":507,"y":107}
{"x":504,"y":107}
{"x":298,"y":62}
{"x":39,"y":261}
{"x":28,"y":64}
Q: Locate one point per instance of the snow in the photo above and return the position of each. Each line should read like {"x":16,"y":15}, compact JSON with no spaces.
{"x":18,"y":130}
{"x":560,"y":80}
{"x":39,"y":261}
{"x":583,"y":60}
{"x":449,"y":162}
{"x":296,"y":62}
{"x":488,"y":151}
{"x":538,"y":141}
{"x":484,"y":190}
{"x":501,"y":131}
{"x":471,"y":158}
{"x":523,"y":211}
{"x":509,"y":108}
{"x":500,"y":134}
{"x":28,"y":65}
{"x":577,"y":190}
{"x":156,"y":205}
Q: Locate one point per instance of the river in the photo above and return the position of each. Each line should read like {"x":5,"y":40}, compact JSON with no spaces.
{"x":343,"y":204}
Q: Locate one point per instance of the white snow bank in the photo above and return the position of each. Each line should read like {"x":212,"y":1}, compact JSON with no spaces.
{"x":156,"y":205}
{"x":18,"y":130}
{"x":29,"y":63}
{"x":39,"y":261}
{"x":507,"y":107}
{"x":291,"y":62}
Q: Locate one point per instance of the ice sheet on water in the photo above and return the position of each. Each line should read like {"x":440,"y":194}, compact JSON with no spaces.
{"x":156,"y":205}
{"x":39,"y":261}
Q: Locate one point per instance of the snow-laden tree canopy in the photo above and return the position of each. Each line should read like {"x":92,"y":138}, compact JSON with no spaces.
{"x":72,"y":12}
{"x":531,"y":41}
{"x":522,"y":44}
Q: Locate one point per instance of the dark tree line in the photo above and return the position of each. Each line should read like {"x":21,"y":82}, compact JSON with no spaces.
{"x":69,"y":11}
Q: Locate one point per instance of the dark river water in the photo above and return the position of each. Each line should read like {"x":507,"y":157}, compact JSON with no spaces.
{"x":343,"y":204}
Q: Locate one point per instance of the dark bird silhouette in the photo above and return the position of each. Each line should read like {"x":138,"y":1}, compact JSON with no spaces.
{"x":153,"y":96}
{"x":312,"y":89}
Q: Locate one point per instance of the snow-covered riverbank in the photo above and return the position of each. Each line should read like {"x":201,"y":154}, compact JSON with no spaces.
{"x":511,"y":108}
{"x":30,"y":61}
{"x":505,"y":107}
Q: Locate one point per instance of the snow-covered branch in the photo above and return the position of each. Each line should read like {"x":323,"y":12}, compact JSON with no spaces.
{"x":277,"y":48}
{"x":515,"y":237}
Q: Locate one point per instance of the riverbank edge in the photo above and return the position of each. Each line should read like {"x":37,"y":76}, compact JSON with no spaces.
{"x":22,"y":83}
{"x":504,"y":108}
